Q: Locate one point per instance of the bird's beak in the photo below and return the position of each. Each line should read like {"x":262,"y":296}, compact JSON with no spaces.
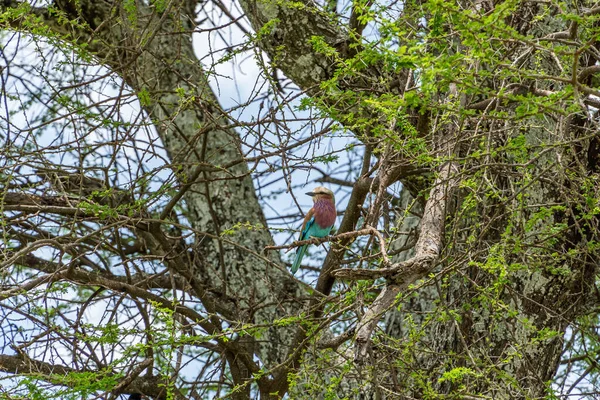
{"x":310,"y":193}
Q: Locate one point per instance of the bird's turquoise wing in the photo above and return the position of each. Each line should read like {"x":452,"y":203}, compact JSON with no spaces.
{"x":311,"y":229}
{"x":305,"y":233}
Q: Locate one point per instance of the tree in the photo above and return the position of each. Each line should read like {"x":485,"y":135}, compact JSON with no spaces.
{"x":137,"y":258}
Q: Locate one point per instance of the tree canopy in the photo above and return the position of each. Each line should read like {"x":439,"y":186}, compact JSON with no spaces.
{"x":154,"y":163}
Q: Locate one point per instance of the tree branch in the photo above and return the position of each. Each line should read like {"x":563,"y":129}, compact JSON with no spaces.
{"x":342,"y":236}
{"x":427,"y":250}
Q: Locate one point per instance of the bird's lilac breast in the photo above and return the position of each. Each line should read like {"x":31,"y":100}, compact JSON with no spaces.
{"x":324,"y":212}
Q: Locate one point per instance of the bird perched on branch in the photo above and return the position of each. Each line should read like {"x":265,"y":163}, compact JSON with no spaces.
{"x":318,"y":221}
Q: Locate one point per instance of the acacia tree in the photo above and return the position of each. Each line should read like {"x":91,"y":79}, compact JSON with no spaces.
{"x":136,"y":256}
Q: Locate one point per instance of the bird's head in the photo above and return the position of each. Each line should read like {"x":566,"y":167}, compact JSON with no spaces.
{"x":321,"y":192}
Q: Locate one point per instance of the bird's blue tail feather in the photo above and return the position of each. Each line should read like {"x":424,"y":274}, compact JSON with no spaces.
{"x":298,"y":259}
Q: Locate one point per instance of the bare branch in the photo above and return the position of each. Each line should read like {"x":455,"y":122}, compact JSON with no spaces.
{"x":427,"y":250}
{"x":342,"y":236}
{"x":337,"y":341}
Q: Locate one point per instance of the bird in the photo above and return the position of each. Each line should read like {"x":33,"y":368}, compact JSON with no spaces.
{"x":318,"y":221}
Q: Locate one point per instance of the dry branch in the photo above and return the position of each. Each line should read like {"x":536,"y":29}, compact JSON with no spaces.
{"x":342,"y":236}
{"x":427,"y":251}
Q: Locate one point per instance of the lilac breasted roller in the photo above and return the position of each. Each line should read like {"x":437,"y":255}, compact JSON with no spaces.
{"x":318,"y":221}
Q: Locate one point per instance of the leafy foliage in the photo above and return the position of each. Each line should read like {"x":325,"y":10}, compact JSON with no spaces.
{"x":139,"y":212}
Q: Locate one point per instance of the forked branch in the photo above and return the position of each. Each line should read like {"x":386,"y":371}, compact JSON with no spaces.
{"x":401,"y":275}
